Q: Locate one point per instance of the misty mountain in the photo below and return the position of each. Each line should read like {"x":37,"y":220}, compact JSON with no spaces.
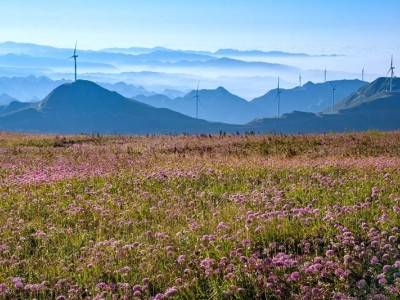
{"x":171,"y":56}
{"x":26,"y":61}
{"x":135,"y":50}
{"x":228,"y":63}
{"x":6,"y":99}
{"x":256,"y":53}
{"x":32,"y":88}
{"x":27,"y":88}
{"x":14,"y":106}
{"x":172,"y":94}
{"x":85,"y":107}
{"x":214,"y":105}
{"x":311,"y":97}
{"x":126,"y":90}
{"x":218,"y":53}
{"x":377,"y":89}
{"x":32,"y":55}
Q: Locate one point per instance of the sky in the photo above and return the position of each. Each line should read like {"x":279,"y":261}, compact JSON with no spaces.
{"x":352,"y":27}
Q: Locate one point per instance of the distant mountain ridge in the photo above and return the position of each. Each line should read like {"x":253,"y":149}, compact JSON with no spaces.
{"x":160,"y":68}
{"x":219,"y":105}
{"x":6,"y":99}
{"x":216,"y":105}
{"x":32,"y":88}
{"x":311,"y":97}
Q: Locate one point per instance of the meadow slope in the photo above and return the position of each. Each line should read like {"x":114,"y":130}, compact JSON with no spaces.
{"x":200,"y":217}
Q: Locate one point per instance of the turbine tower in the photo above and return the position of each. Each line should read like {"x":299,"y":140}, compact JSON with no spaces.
{"x":325,"y":75}
{"x":362,"y":74}
{"x":197,"y":96}
{"x":333,"y":87}
{"x":278,"y":98}
{"x":75,"y":57}
{"x":391,"y":71}
{"x":299,"y":80}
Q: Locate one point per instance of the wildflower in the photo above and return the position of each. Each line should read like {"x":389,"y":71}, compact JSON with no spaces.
{"x":330,"y":252}
{"x":381,"y":279}
{"x":246,"y":243}
{"x":374,"y":260}
{"x":294,"y":276}
{"x":181,"y":259}
{"x":170,"y":292}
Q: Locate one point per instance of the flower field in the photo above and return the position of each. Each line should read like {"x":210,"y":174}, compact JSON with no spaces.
{"x":200,"y":217}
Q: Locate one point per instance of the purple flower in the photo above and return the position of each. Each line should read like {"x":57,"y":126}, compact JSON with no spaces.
{"x":181,"y":259}
{"x":374,"y":260}
{"x":294,"y":276}
{"x":170,"y":292}
{"x":330,"y":252}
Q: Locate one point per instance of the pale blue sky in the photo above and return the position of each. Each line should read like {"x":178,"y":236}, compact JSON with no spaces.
{"x":313,"y":26}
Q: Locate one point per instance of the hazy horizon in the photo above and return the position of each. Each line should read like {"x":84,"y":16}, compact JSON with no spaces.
{"x":316,"y":27}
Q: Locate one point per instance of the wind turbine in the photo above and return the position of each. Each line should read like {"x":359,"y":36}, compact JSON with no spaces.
{"x":333,"y":87}
{"x":278,"y":97}
{"x":299,"y":80}
{"x":197,"y":96}
{"x":325,"y":74}
{"x":391,"y":71}
{"x":362,"y":74}
{"x":75,"y":57}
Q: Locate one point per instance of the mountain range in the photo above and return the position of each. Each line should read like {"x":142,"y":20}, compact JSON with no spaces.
{"x":219,"y":105}
{"x":34,"y":89}
{"x":371,"y":107}
{"x":157,"y":69}
{"x":85,"y":107}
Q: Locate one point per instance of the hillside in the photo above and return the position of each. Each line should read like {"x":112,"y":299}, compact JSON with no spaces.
{"x":370,"y":92}
{"x":84,"y":106}
{"x":14,"y":106}
{"x":370,"y":108}
{"x":311,"y":97}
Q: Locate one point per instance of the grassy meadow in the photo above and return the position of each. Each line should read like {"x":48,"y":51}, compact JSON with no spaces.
{"x":200,"y":217}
